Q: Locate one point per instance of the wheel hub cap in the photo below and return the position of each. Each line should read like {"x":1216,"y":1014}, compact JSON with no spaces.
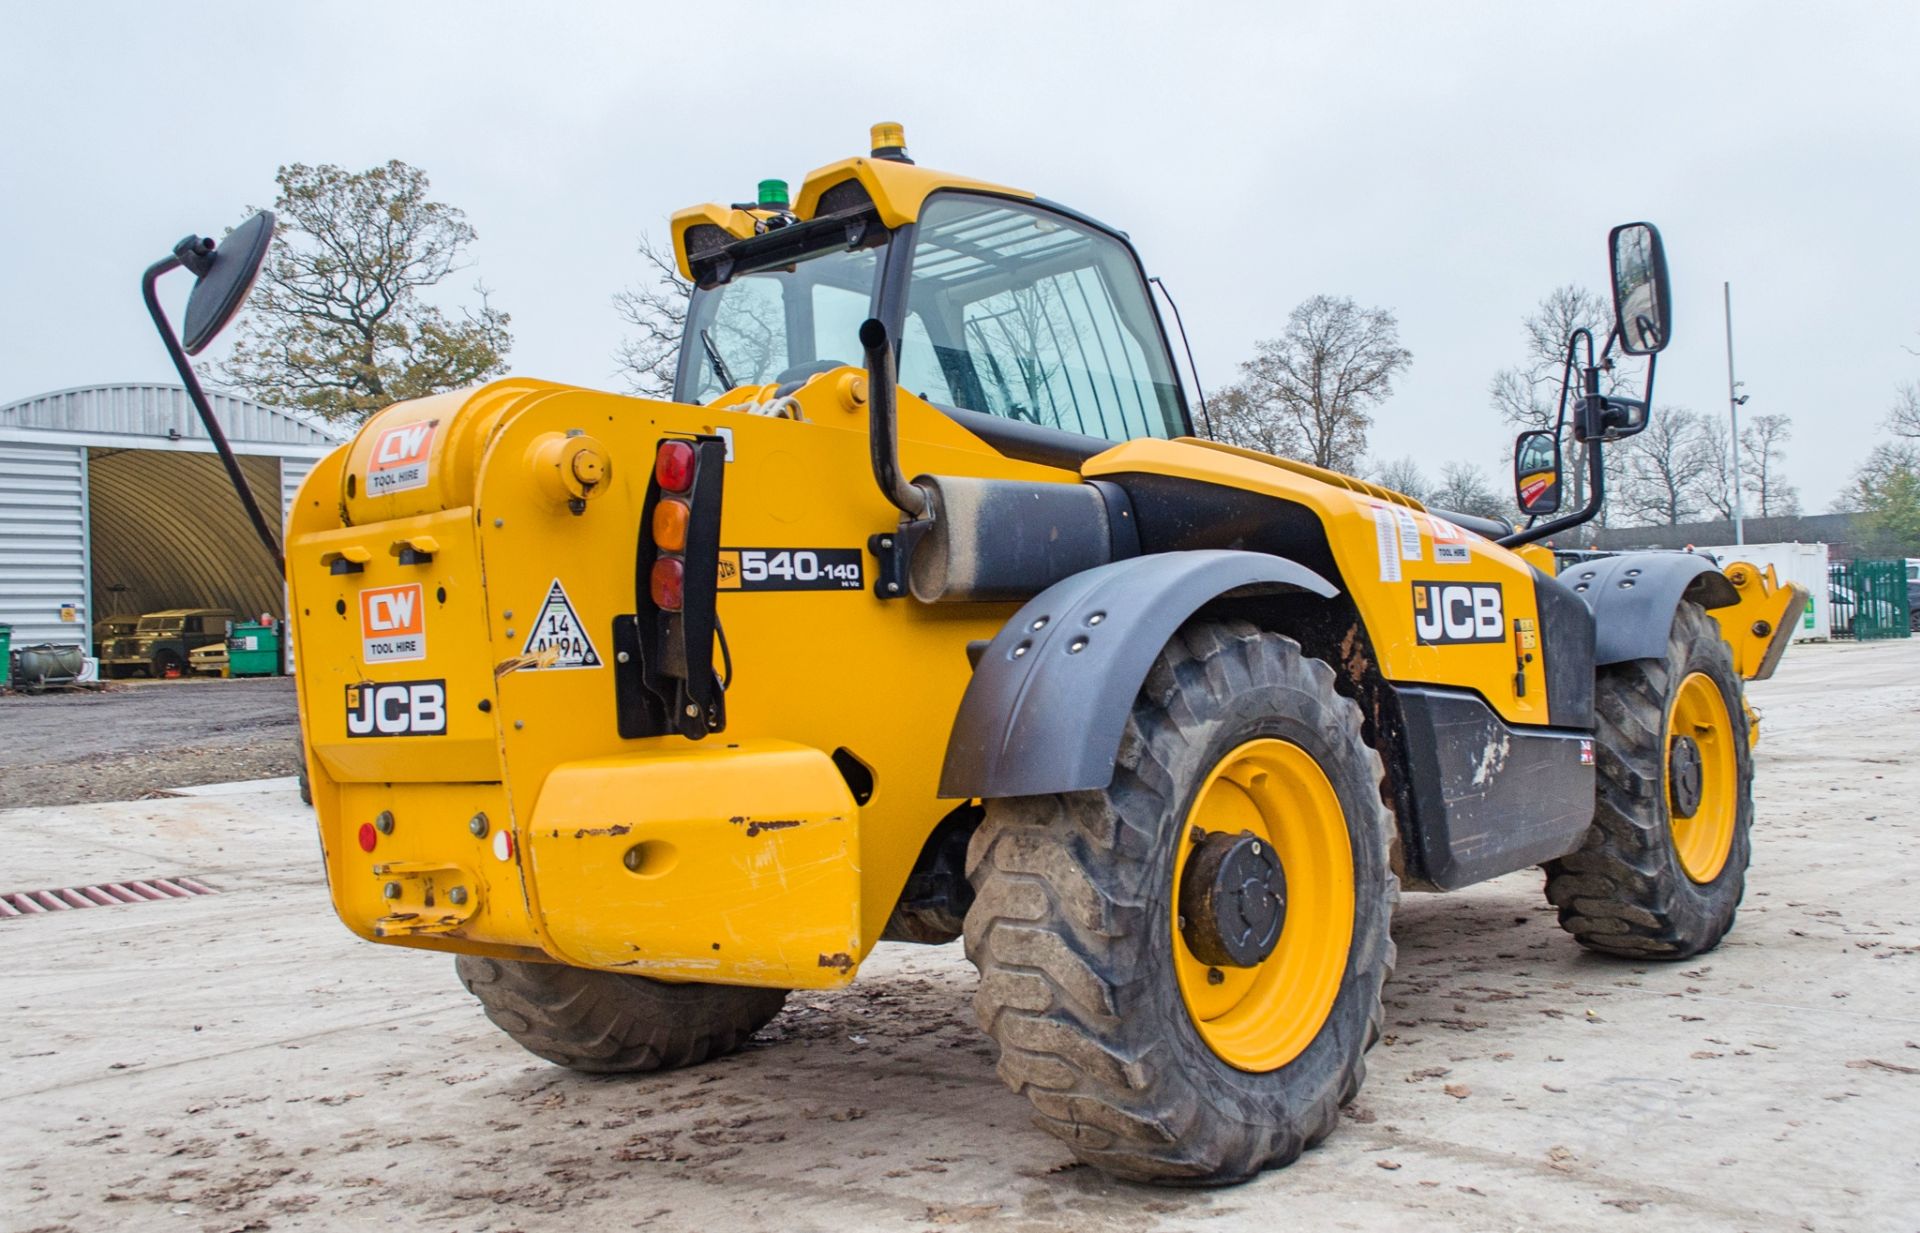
{"x":1685,"y":774}
{"x":1233,"y":900}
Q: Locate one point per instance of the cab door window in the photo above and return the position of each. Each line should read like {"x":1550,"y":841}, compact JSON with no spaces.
{"x":1023,"y":313}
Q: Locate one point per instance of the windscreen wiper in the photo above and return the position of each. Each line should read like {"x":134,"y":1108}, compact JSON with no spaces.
{"x":713,"y":357}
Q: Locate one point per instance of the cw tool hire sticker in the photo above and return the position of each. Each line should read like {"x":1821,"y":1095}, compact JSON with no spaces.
{"x":393,"y":624}
{"x":400,"y":458}
{"x":557,"y":631}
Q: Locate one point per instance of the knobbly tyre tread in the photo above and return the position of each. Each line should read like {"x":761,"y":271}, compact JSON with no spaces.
{"x":1070,"y":929}
{"x":1624,"y":892}
{"x":608,"y":1023}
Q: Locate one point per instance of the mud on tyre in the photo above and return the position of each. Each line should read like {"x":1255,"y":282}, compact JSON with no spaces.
{"x":605,"y":1023}
{"x":1084,"y":937}
{"x":1663,"y":867}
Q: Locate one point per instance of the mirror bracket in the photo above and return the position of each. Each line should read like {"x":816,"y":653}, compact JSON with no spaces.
{"x":198,"y":254}
{"x":195,"y":255}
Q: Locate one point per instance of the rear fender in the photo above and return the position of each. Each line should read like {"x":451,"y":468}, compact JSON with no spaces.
{"x":1634,"y":596}
{"x":1047,"y":704}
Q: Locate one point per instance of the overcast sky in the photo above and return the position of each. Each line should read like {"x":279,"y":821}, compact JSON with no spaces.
{"x":1451,"y":162}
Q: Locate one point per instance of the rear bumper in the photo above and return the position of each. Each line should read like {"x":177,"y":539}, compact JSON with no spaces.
{"x":733,"y":864}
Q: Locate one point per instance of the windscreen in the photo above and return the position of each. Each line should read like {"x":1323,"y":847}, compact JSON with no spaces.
{"x":778,"y":325}
{"x":1020,"y":312}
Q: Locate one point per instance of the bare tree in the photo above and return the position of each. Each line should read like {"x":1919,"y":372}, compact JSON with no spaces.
{"x":1904,"y":419}
{"x":1239,"y":420}
{"x":1465,"y":488}
{"x":1404,"y":476}
{"x":1528,"y":395}
{"x":1335,"y":362}
{"x":1762,"y":448}
{"x":1714,"y":489}
{"x":1664,"y":469}
{"x":657,"y":308}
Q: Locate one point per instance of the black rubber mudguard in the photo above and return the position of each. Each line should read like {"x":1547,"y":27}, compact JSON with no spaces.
{"x":1051,"y":693}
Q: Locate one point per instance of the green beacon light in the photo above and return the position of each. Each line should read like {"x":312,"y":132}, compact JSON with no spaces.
{"x":773,"y":194}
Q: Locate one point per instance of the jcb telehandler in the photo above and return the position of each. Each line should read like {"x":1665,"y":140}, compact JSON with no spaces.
{"x":921,"y":612}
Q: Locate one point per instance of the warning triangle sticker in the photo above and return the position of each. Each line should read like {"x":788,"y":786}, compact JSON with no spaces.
{"x":558,"y":639}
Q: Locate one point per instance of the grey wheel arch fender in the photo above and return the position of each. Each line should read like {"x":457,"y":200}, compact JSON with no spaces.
{"x":1633,"y":597}
{"x":1049,"y":699}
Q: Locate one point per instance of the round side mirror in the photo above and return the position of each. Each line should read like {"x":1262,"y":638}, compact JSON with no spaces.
{"x":226,"y":275}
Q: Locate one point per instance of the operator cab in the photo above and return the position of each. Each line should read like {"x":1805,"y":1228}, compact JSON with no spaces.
{"x":1031,"y":325}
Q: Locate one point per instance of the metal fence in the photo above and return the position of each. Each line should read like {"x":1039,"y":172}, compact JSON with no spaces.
{"x":1869,"y":599}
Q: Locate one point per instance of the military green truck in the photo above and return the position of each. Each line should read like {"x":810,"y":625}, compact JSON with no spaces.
{"x":163,"y":641}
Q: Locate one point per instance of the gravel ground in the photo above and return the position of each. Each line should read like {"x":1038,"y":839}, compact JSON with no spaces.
{"x":239,"y":1062}
{"x":127,"y":739}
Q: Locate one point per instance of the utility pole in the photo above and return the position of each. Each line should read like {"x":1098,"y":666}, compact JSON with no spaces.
{"x":1734,"y":399}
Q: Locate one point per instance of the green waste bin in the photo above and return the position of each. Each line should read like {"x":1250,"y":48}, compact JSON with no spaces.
{"x":253,"y":649}
{"x":6,"y":656}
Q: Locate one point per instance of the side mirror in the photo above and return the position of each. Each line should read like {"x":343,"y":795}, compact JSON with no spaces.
{"x":1536,"y":472}
{"x":1642,"y":314}
{"x":225,"y":273}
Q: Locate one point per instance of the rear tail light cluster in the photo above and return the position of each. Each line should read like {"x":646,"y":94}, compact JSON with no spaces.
{"x":665,"y":679}
{"x":673,"y":469}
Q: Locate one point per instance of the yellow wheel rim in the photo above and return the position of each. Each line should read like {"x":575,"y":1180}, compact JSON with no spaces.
{"x":1702,"y":835}
{"x":1262,"y":1017}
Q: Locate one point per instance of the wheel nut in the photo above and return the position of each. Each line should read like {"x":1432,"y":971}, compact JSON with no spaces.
{"x":457,"y":896}
{"x":384,"y":823}
{"x":478,"y":825}
{"x":391,"y":890}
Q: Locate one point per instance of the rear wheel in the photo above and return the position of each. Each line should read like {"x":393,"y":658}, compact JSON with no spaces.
{"x":1664,"y":865}
{"x":1183,"y":971}
{"x":161,"y":663}
{"x":606,"y":1023}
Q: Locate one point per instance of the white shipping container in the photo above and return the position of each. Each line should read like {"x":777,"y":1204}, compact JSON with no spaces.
{"x":1805,"y":564}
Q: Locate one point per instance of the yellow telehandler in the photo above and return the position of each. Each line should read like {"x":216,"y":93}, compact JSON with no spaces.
{"x":921,"y":612}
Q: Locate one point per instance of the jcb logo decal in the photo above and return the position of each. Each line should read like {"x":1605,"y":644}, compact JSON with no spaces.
{"x":399,"y":459}
{"x":1445,"y":613}
{"x":397,"y":708}
{"x":393,"y":624}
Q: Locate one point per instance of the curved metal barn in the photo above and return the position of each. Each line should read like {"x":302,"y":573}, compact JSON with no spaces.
{"x":112,"y":501}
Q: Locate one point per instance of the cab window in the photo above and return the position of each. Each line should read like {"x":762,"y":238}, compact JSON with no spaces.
{"x":1022,"y":313}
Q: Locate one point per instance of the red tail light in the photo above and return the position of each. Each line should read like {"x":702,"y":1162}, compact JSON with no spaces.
{"x":667,"y":584}
{"x":673,"y":466}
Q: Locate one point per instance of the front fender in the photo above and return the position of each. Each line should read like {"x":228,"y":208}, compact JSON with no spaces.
{"x":1634,"y":596}
{"x":1047,"y":704}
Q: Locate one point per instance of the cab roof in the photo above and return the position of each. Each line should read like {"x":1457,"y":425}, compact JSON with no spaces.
{"x":894,"y":189}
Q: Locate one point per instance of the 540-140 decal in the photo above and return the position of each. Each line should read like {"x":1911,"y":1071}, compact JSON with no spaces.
{"x":790,"y":569}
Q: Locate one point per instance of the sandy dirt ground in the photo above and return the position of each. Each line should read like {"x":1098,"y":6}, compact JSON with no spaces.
{"x":127,"y":738}
{"x":238,"y":1062}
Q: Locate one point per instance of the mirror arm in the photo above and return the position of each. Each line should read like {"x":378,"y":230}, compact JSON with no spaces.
{"x":1596,"y":495}
{"x":198,"y":397}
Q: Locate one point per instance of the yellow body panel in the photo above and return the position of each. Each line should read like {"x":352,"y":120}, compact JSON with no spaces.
{"x":1759,"y":627}
{"x":815,"y":670}
{"x":1384,"y":544}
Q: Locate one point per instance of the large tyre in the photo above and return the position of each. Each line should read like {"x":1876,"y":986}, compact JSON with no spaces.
{"x":606,"y":1023}
{"x":1665,"y":863}
{"x":1148,"y":1061}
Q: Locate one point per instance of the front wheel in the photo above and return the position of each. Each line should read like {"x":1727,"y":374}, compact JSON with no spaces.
{"x":1664,"y":865}
{"x":1183,"y":970}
